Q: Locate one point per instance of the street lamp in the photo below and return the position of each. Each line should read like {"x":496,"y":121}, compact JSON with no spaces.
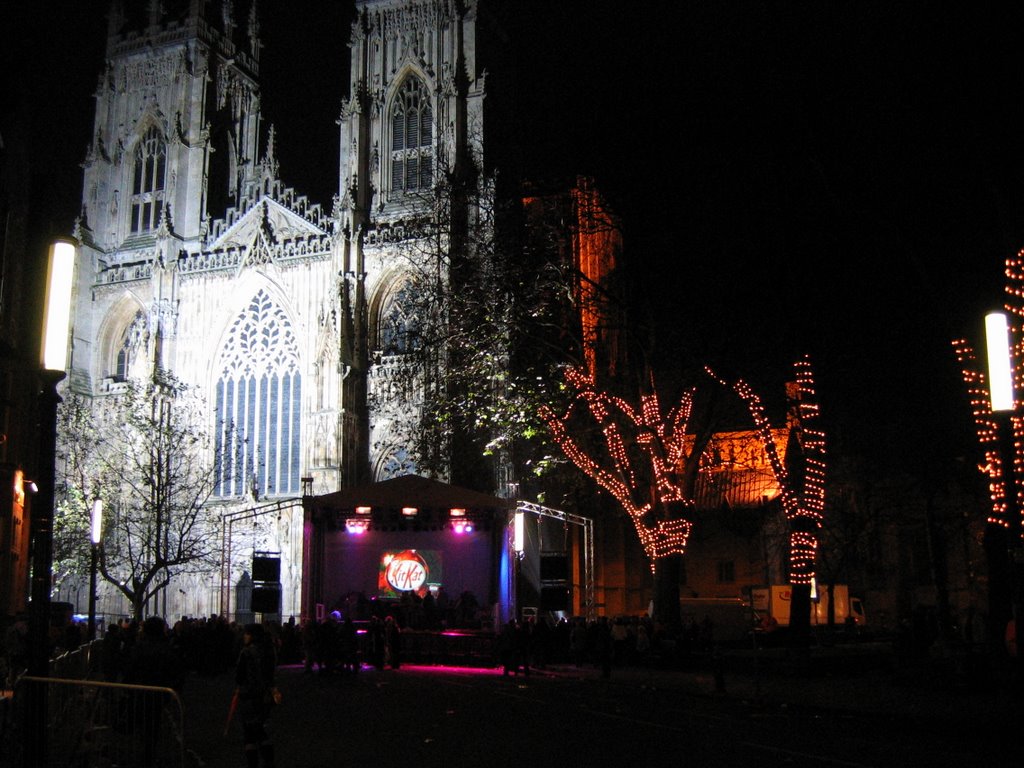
{"x":97,"y":535}
{"x":1000,"y":366}
{"x":1004,"y":405}
{"x":53,"y":366}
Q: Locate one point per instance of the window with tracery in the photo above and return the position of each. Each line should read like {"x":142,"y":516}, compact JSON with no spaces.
{"x":399,"y":325}
{"x":397,"y":464}
{"x":148,"y":181}
{"x":412,"y":138}
{"x":258,"y":401}
{"x":131,"y":341}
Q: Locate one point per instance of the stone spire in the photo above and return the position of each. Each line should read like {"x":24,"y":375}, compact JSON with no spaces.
{"x":115,"y":18}
{"x":155,"y":13}
{"x":254,"y":32}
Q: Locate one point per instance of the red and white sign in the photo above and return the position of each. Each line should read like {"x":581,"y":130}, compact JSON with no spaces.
{"x":406,"y":572}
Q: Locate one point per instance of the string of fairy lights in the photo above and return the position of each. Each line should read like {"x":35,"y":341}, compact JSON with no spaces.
{"x":803,"y":507}
{"x":986,"y":429}
{"x":660,"y":441}
{"x":986,"y":425}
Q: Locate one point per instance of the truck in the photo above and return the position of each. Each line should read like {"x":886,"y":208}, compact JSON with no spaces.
{"x":771,"y":605}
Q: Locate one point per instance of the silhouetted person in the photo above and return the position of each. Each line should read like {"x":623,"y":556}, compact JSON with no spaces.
{"x":254,"y":686}
{"x":153,"y":662}
{"x":392,"y":642}
{"x":349,"y":646}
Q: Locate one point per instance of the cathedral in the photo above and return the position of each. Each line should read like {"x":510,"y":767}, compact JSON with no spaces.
{"x":294,"y":320}
{"x":198,"y":260}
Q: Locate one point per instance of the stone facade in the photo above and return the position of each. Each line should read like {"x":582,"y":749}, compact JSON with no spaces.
{"x":197,"y":260}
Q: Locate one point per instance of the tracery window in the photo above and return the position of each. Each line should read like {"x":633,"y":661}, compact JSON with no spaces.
{"x":412,"y":138}
{"x":148,"y":181}
{"x":131,"y":341}
{"x":397,"y":464}
{"x":399,"y":324}
{"x":258,"y":400}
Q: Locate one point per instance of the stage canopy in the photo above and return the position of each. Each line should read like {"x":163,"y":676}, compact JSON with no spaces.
{"x":407,"y":536}
{"x":409,"y":491}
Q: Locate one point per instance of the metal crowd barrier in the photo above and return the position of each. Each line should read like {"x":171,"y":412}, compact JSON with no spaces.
{"x":60,"y":723}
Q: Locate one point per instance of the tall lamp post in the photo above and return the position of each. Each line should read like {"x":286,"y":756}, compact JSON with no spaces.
{"x":1004,"y":410}
{"x":97,"y":535}
{"x":53,"y":365}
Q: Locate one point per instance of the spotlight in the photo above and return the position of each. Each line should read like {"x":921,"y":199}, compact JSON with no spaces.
{"x":357,"y":526}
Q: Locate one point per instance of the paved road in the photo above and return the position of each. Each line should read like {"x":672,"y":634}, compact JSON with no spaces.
{"x":440,"y":717}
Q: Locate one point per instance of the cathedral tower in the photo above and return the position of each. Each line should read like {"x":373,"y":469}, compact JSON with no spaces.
{"x":411,"y":145}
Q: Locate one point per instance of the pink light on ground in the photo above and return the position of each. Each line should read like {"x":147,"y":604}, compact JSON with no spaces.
{"x":422,"y":669}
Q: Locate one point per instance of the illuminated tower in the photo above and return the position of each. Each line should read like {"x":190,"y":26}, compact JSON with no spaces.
{"x":411,"y":144}
{"x":198,"y":263}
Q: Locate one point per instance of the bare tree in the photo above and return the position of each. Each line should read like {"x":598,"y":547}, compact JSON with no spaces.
{"x":647,"y":459}
{"x":142,"y":453}
{"x":801,"y":482}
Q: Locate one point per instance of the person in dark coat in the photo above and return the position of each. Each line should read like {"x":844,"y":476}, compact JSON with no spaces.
{"x":256,"y":694}
{"x":392,"y":642}
{"x":153,"y":662}
{"x":349,"y":647}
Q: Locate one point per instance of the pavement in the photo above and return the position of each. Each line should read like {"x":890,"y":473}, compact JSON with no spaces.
{"x":856,"y":679}
{"x":859,"y":680}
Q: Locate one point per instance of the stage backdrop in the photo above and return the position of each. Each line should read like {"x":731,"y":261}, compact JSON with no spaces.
{"x":408,"y":533}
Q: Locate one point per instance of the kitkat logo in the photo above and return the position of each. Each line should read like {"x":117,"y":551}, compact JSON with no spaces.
{"x":406,"y":571}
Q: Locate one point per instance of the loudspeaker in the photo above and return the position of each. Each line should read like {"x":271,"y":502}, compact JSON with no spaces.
{"x":266,"y":568}
{"x":553,"y":598}
{"x":266,"y":600}
{"x":554,"y":567}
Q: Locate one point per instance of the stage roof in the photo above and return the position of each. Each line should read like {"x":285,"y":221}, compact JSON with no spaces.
{"x":409,"y":491}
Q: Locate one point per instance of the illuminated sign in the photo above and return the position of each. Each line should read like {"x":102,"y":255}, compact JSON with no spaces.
{"x":409,"y":570}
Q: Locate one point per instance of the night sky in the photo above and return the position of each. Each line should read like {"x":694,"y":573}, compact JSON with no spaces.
{"x":839,"y":179}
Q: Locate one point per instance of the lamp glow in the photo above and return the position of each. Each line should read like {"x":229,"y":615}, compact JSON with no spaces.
{"x":518,"y":537}
{"x":57,"y":317}
{"x":97,"y":521}
{"x":997,"y":340}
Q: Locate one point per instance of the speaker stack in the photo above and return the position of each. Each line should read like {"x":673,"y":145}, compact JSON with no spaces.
{"x":266,"y":583}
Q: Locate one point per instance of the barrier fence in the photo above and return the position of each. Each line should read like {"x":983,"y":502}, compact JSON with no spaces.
{"x":61,"y":722}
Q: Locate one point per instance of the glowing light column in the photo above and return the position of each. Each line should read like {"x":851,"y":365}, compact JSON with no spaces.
{"x":53,"y":366}
{"x":999,"y":429}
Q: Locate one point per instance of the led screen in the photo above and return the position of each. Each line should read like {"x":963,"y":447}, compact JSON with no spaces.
{"x":409,"y":570}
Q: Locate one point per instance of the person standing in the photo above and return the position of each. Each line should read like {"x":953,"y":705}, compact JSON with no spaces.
{"x":256,"y":694}
{"x":153,"y":662}
{"x":392,"y":642}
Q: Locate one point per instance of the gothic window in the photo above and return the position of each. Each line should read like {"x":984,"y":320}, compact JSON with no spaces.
{"x":258,"y":400}
{"x":148,"y":181}
{"x":399,"y":325}
{"x":127,"y":351}
{"x":412,"y":139}
{"x":397,"y":464}
{"x":123,"y":360}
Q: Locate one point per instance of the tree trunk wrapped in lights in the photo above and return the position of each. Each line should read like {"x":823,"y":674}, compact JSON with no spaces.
{"x":643,"y":450}
{"x":643,"y":480}
{"x":1000,"y":432}
{"x":802,"y":492}
{"x":649,"y":463}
